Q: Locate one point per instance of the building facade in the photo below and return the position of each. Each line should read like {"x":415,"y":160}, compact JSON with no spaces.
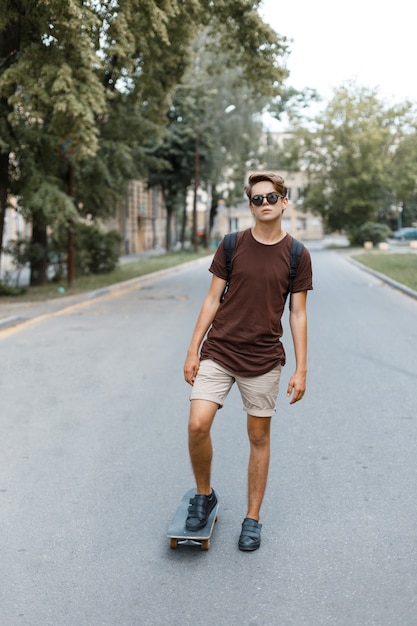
{"x":300,"y":223}
{"x":15,"y":228}
{"x":141,"y":219}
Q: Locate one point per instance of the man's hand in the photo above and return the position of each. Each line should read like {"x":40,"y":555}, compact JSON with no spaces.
{"x":191,"y":367}
{"x":296,"y":387}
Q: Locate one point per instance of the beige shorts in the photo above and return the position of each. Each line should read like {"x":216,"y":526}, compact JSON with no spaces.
{"x":259,"y":393}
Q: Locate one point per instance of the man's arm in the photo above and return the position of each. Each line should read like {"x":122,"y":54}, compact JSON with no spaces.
{"x":207,"y":314}
{"x":298,"y":325}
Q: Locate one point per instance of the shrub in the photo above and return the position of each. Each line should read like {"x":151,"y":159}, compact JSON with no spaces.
{"x":95,"y":252}
{"x":10,"y":290}
{"x":370,"y":231}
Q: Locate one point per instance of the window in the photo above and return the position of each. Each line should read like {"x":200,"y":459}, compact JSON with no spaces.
{"x":300,"y":195}
{"x":233,"y":224}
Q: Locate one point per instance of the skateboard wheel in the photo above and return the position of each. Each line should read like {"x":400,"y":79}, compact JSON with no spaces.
{"x":205,"y":545}
{"x":173,"y":543}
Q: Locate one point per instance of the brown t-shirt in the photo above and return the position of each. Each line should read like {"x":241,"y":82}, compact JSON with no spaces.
{"x":245,"y":335}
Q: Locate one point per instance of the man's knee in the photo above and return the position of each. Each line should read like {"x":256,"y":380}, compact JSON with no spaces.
{"x":197,"y":429}
{"x":202,"y":414}
{"x":259,"y":429}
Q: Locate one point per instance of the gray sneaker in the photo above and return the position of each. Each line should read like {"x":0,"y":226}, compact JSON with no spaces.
{"x":199,"y":511}
{"x":250,"y":537}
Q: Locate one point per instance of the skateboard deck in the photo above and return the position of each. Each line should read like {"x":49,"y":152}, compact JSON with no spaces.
{"x":179,"y":535}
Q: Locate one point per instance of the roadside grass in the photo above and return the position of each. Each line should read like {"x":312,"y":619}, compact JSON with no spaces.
{"x":126,"y":271}
{"x":401,"y":267}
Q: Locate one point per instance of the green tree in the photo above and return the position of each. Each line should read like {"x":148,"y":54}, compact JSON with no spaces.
{"x":70,"y":74}
{"x":404,"y":179}
{"x":172,"y":163}
{"x":91,"y":82}
{"x":212,"y":128}
{"x":53,"y":96}
{"x":9,"y":44}
{"x":144,"y":47}
{"x":206,"y":143}
{"x":349,"y":154}
{"x":240,"y":38}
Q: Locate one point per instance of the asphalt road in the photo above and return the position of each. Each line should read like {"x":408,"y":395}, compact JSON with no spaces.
{"x":94,"y":462}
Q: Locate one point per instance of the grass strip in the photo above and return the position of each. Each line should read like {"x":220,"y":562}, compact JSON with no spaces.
{"x":92,"y":282}
{"x":401,"y":267}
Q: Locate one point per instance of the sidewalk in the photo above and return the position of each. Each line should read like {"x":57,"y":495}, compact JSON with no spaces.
{"x":15,"y":313}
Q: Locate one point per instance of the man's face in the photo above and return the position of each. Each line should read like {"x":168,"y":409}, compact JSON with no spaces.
{"x":271,"y":207}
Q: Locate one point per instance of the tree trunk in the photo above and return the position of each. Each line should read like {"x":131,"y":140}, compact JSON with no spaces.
{"x":168,"y":229}
{"x":4,"y":184}
{"x":213,"y":209}
{"x":39,"y":262}
{"x":183,"y":225}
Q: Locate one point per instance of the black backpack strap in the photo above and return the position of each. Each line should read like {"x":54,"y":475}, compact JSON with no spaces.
{"x":295,"y":256}
{"x":229,"y":248}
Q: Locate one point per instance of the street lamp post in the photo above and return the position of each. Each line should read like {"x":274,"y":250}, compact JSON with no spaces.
{"x":400,"y":216}
{"x":227,"y":110}
{"x":196,"y":186}
{"x":70,"y":261}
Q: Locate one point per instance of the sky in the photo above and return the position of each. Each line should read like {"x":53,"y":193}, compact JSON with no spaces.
{"x":370,"y":42}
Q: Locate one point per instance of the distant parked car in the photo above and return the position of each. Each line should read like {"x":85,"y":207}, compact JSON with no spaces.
{"x":406,"y":233}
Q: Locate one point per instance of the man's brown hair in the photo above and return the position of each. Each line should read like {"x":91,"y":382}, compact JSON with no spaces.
{"x":272,"y":177}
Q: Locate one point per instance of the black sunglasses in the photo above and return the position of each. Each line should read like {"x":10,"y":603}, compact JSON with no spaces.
{"x":271,"y":198}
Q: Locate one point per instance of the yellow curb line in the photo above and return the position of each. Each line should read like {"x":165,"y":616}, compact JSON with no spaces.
{"x":6,"y":332}
{"x":112,"y":291}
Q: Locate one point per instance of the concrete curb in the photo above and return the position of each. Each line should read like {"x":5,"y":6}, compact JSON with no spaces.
{"x":386,"y":279}
{"x":31,"y":311}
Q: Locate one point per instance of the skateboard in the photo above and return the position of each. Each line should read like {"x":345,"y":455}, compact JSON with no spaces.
{"x":179,"y":535}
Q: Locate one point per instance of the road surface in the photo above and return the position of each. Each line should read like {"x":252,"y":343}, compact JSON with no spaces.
{"x":94,"y":462}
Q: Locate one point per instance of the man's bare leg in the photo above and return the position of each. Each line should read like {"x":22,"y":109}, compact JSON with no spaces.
{"x":202,"y":414}
{"x":259,"y":430}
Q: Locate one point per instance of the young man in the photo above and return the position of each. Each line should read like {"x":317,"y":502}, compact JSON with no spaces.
{"x":243,"y":346}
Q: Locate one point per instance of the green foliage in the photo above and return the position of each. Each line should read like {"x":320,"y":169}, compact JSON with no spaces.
{"x":351,"y":156}
{"x":85,"y":86}
{"x":210,"y":136}
{"x":370,"y":231}
{"x":10,"y":290}
{"x":95,"y":251}
{"x":24,"y":251}
{"x":18,"y":250}
{"x":240,"y":38}
{"x":54,"y":204}
{"x":123,"y":272}
{"x":404,"y":176}
{"x":52,"y":86}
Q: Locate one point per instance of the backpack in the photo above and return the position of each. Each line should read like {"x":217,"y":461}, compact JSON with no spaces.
{"x":295,"y":256}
